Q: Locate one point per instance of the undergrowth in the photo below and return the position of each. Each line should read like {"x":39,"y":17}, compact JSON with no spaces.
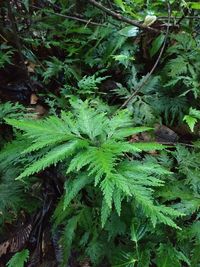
{"x":88,"y":181}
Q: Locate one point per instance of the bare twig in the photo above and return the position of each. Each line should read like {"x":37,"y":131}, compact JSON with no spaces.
{"x":176,"y":143}
{"x":5,"y":40}
{"x":154,"y":66}
{"x":73,"y":18}
{"x":122,"y":18}
{"x":186,"y":17}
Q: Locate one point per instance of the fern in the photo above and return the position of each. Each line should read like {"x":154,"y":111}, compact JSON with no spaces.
{"x":98,"y":144}
{"x":89,"y":84}
{"x":72,"y":188}
{"x":68,"y":236}
{"x":191,"y":118}
{"x":169,"y":256}
{"x":58,"y":153}
{"x":9,"y":110}
{"x":55,"y":67}
{"x":116,"y":200}
{"x":6,"y":53}
{"x":19,"y":259}
{"x":177,"y":66}
{"x":124,"y":260}
{"x":93,"y":148}
{"x":11,"y":193}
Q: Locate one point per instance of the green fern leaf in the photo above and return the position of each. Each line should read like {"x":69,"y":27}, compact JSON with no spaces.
{"x":122,"y":183}
{"x":90,"y":122}
{"x":47,"y":141}
{"x":107,"y":187}
{"x":117,"y":199}
{"x":105,"y":212}
{"x":55,"y":155}
{"x":125,"y":132}
{"x":121,"y":120}
{"x":19,"y":259}
{"x":145,"y":146}
{"x":124,"y":259}
{"x":141,"y":186}
{"x":102,"y":163}
{"x":73,"y":186}
{"x":169,"y":256}
{"x":11,"y":152}
{"x":80,"y":160}
{"x":68,"y":236}
{"x":51,"y":125}
{"x":177,"y":66}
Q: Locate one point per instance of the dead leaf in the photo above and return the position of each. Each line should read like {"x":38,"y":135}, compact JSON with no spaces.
{"x":30,"y":66}
{"x":145,"y":137}
{"x":40,"y":110}
{"x":34,"y":99}
{"x":4,"y":248}
{"x":85,"y":263}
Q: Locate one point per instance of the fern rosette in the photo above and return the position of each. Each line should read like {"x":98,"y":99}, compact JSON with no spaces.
{"x":96,"y":144}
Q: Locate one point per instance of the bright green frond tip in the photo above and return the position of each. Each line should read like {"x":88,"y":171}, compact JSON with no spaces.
{"x":19,"y":259}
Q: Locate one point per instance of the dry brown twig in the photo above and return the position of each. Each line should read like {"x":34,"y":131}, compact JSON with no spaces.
{"x":72,"y":17}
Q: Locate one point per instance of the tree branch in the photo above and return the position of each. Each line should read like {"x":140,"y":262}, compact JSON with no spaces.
{"x":122,"y":18}
{"x":71,"y":17}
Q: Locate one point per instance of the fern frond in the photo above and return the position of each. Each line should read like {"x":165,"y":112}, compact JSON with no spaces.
{"x":61,"y":214}
{"x":11,"y":152}
{"x":19,"y":259}
{"x":122,"y":119}
{"x":89,"y":84}
{"x":95,"y":250}
{"x":124,"y":259}
{"x":73,"y":186}
{"x":53,"y":68}
{"x":51,"y":126}
{"x":141,"y":187}
{"x":55,"y":155}
{"x":11,"y":191}
{"x":90,"y":122}
{"x":168,"y":256}
{"x":157,"y":214}
{"x":142,"y":168}
{"x":10,"y":110}
{"x":121,"y":184}
{"x":107,"y":187}
{"x":102,"y":163}
{"x":39,"y":143}
{"x":145,"y":146}
{"x":117,"y":200}
{"x":125,"y":132}
{"x":177,"y":66}
{"x":105,"y":212}
{"x":79,"y":160}
{"x":68,"y":236}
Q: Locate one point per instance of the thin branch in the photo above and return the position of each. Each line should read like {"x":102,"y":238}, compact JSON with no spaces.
{"x":122,"y":18}
{"x":186,"y":17}
{"x":5,"y":40}
{"x":176,"y":143}
{"x":72,"y":18}
{"x":154,"y":66}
